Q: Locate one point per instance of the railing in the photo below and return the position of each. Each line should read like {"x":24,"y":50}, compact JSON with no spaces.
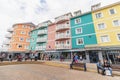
{"x":8,"y":35}
{"x":62,"y":26}
{"x":62,"y":18}
{"x":40,"y":47}
{"x":10,"y":30}
{"x":60,"y":36}
{"x":63,"y":46}
{"x":41,"y":39}
{"x":42,"y":32}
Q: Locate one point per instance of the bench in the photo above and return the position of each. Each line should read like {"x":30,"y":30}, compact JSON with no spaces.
{"x":116,"y":68}
{"x":79,"y":66}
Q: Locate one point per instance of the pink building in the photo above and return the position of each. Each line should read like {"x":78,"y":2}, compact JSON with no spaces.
{"x":63,"y":34}
{"x":51,"y":37}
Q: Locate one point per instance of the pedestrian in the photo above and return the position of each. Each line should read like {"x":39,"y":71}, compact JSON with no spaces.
{"x":107,"y":68}
{"x":100,"y":67}
{"x":10,"y":57}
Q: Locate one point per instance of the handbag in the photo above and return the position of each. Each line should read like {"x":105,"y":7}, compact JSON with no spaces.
{"x":107,"y":72}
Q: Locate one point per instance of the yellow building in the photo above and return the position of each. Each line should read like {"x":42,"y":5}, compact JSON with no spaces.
{"x":20,"y":37}
{"x":107,"y":24}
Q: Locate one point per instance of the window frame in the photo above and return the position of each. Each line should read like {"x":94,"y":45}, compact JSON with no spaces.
{"x":99,"y":27}
{"x":81,"y":39}
{"x":118,"y":22}
{"x":98,"y":13}
{"x":110,"y":11}
{"x":104,"y":36}
{"x":76,"y":32}
{"x":76,"y":21}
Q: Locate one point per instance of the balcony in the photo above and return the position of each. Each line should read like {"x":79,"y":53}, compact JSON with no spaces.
{"x":41,"y":39}
{"x":41,"y":32}
{"x":62,"y":18}
{"x":8,"y":35}
{"x":62,"y":27}
{"x":7,"y":42}
{"x":62,"y":36}
{"x":63,"y":46}
{"x":40,"y":47}
{"x":10,"y":30}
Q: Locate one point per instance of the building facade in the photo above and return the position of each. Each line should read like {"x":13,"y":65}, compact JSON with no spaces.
{"x":107,"y":27}
{"x":42,"y":35}
{"x":20,"y":37}
{"x":83,"y":34}
{"x":33,"y":39}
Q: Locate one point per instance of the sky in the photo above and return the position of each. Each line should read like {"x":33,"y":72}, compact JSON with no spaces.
{"x":37,"y":11}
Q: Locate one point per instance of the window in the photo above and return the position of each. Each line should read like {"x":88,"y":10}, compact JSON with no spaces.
{"x":19,"y":46}
{"x":21,"y":39}
{"x":33,"y":39}
{"x":68,"y":42}
{"x":116,"y":22}
{"x":105,"y":38}
{"x":78,"y":30}
{"x":112,"y":11}
{"x":80,"y":41}
{"x":77,"y":21}
{"x":118,"y":35}
{"x":67,"y":32}
{"x":24,"y":26}
{"x":101,"y":26}
{"x":22,"y":32}
{"x":98,"y":15}
{"x":26,"y":47}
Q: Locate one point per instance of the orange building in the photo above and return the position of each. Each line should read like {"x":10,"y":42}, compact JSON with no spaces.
{"x":20,"y":37}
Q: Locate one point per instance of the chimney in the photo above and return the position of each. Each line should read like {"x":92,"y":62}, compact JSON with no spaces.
{"x":96,"y":6}
{"x":76,"y":13}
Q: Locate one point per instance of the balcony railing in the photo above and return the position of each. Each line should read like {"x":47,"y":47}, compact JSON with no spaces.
{"x":61,"y":18}
{"x":40,"y":47}
{"x":7,"y":42}
{"x":8,"y":35}
{"x":41,"y":39}
{"x":42,"y":32}
{"x":62,"y":26}
{"x":63,"y":46}
{"x":10,"y":30}
{"x":62,"y":36}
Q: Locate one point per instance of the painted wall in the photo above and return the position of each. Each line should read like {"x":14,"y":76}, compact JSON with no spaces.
{"x":33,"y":39}
{"x":51,"y":37}
{"x":17,"y":34}
{"x":110,"y":29}
{"x":88,"y":32}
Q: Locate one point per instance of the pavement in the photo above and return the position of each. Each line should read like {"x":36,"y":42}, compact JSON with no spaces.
{"x":45,"y":72}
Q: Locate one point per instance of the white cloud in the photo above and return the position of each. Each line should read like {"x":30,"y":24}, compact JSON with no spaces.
{"x":36,"y":11}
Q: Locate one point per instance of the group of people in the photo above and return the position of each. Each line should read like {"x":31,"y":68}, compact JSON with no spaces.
{"x":105,"y":67}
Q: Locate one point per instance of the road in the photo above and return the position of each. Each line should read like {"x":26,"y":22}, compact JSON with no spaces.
{"x":43,"y":72}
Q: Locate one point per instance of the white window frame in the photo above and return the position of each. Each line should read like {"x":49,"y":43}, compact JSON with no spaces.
{"x":102,"y":27}
{"x":67,"y":43}
{"x":23,"y":32}
{"x":98,"y":17}
{"x":77,"y":31}
{"x":118,"y":22}
{"x":104,"y":36}
{"x":19,"y":45}
{"x":114,"y":11}
{"x":77,"y":41}
{"x":118,"y":37}
{"x":21,"y":38}
{"x":77,"y":22}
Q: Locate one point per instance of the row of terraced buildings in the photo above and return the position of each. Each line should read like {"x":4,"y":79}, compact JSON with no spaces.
{"x":95,"y":35}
